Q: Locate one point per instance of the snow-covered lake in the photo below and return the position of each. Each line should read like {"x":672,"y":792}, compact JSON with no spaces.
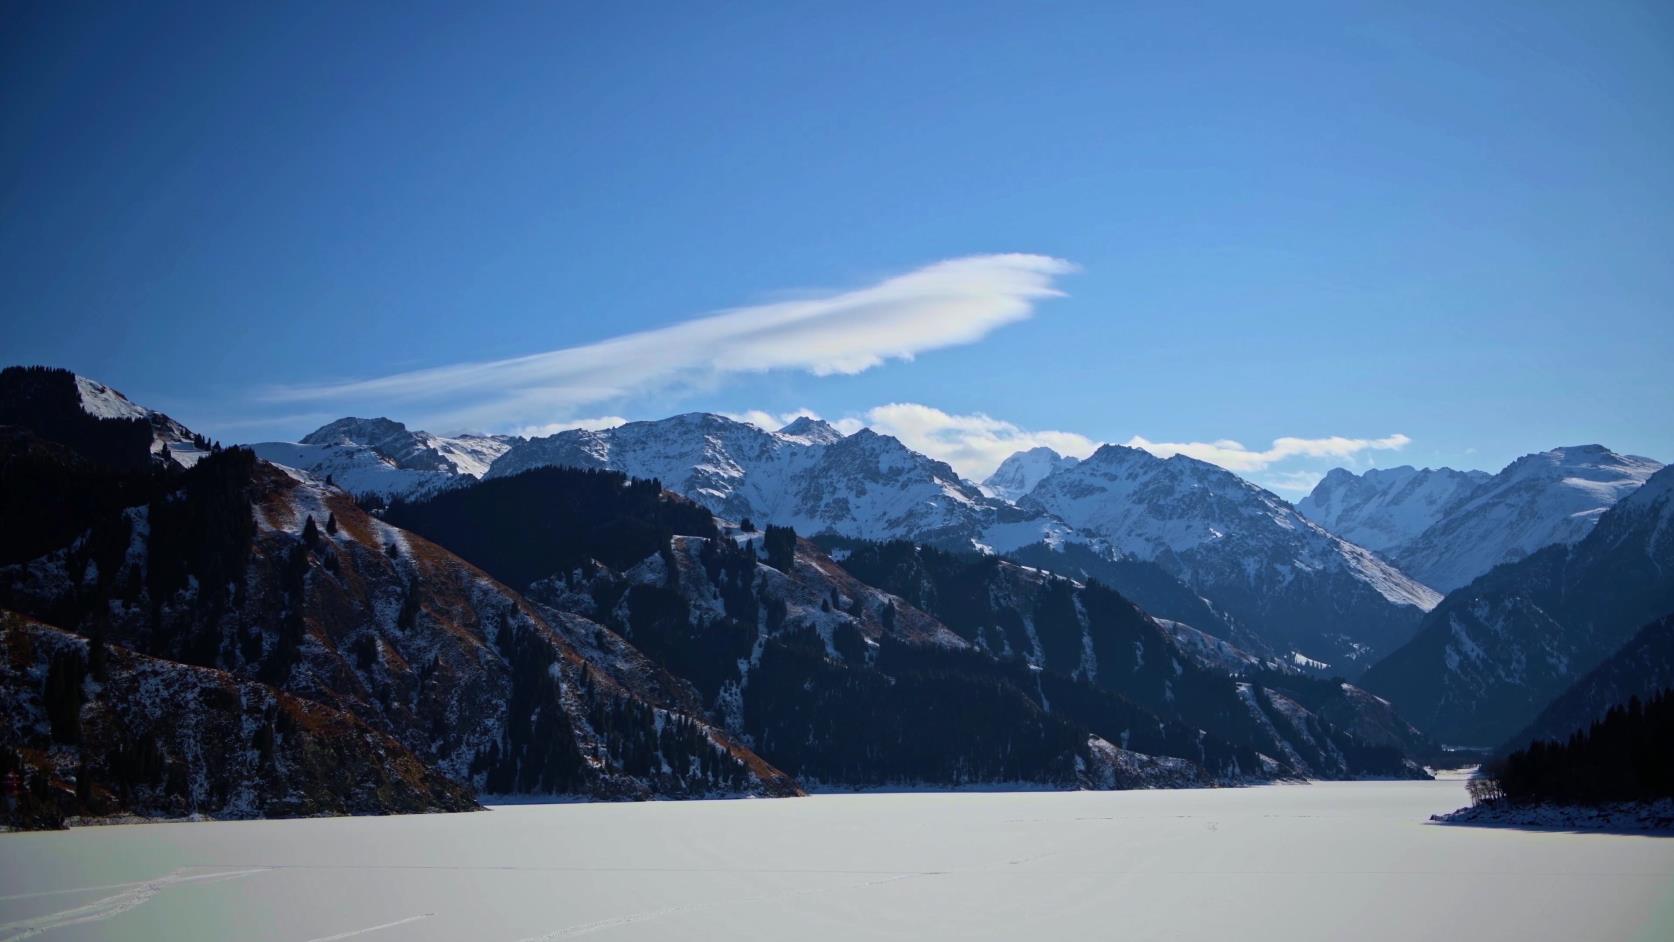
{"x":1325,"y":861}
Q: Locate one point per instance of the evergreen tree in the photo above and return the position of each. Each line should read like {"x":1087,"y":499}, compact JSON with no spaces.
{"x":331,"y":524}
{"x":779,"y":543}
{"x":1628,"y":755}
{"x":63,"y":695}
{"x":310,"y":532}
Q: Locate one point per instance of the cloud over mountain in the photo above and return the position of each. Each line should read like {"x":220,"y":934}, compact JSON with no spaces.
{"x":953,"y":302}
{"x":1235,"y":457}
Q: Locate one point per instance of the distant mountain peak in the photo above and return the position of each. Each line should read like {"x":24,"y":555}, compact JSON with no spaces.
{"x":382,"y":456}
{"x":1547,"y":497}
{"x":864,"y":485}
{"x":817,"y":431}
{"x":1516,"y":636}
{"x":1384,"y":508}
{"x":353,"y":430}
{"x":1240,"y":546}
{"x":1017,"y":475}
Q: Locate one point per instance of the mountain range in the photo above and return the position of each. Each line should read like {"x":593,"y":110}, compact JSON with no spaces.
{"x":1447,"y":527}
{"x":610,"y":640}
{"x":381,"y":457}
{"x":1383,"y":509}
{"x":1293,"y":583}
{"x":698,"y":606}
{"x":1493,"y":653}
{"x":1197,"y":543}
{"x":806,"y":475}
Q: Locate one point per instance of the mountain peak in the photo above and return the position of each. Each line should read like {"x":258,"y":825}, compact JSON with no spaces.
{"x":1548,"y":497}
{"x":811,"y":429}
{"x":380,"y":455}
{"x":1017,"y":475}
{"x":103,"y":402}
{"x":1239,"y":545}
{"x":354,"y":431}
{"x":1384,"y":508}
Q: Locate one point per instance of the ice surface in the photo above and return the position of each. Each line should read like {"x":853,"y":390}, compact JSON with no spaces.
{"x":1292,"y":862}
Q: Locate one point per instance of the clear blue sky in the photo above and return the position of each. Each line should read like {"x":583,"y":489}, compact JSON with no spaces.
{"x":1453,"y":222}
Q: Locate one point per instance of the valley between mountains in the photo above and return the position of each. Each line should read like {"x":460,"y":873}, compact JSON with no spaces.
{"x":375,"y":619}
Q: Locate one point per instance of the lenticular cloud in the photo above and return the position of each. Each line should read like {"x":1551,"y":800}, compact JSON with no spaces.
{"x":953,"y":302}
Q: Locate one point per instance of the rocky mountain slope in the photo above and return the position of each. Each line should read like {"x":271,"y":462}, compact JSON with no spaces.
{"x":1285,"y":578}
{"x":759,"y":618}
{"x":1101,"y":638}
{"x":1383,"y":509}
{"x":806,"y":475}
{"x":1494,"y":653}
{"x":1549,"y":497}
{"x":1640,"y":668}
{"x":97,"y":730}
{"x":384,"y":458}
{"x":276,"y":579}
{"x":585,"y":634}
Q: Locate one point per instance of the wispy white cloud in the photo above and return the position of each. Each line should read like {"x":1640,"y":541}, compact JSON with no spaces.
{"x":1294,"y":482}
{"x":772,"y":421}
{"x":974,"y":444}
{"x":1235,"y":457}
{"x":953,"y":302}
{"x":553,"y":428}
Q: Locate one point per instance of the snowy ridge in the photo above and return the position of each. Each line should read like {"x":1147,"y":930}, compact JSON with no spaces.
{"x":1549,"y":497}
{"x":806,"y":475}
{"x":356,"y":469}
{"x":171,"y":441}
{"x":383,"y":457}
{"x":1240,"y":546}
{"x":103,"y":402}
{"x":1384,"y":508}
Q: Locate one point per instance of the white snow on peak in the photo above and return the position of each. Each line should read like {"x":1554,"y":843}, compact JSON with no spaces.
{"x":1017,"y":475}
{"x":1209,"y":524}
{"x":1548,"y":497}
{"x":1383,"y":508}
{"x":170,"y":441}
{"x":806,"y":475}
{"x":811,"y":430}
{"x":382,"y":456}
{"x":101,"y":401}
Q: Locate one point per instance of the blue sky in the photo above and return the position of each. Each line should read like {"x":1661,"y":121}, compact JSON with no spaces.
{"x":1445,"y":222}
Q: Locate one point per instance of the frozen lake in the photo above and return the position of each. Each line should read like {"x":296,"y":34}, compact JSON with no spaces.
{"x":1324,"y":861}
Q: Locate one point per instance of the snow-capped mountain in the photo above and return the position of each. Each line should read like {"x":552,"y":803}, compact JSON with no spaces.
{"x":807,"y":475}
{"x":1018,"y":474}
{"x":1496,"y":651}
{"x":1243,"y":548}
{"x":417,"y":451}
{"x":1384,"y":508}
{"x":381,"y":456}
{"x":1549,"y":497}
{"x":73,"y":410}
